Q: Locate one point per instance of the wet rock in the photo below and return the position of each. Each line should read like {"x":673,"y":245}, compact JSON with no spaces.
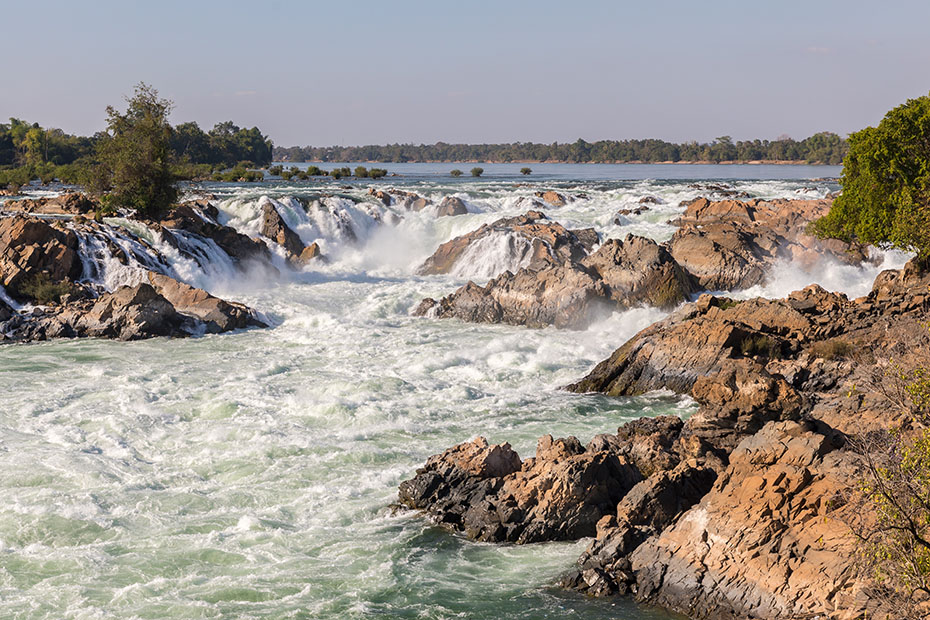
{"x":200,"y":217}
{"x":451,"y":205}
{"x":275,"y":228}
{"x":217,"y":315}
{"x":731,"y":244}
{"x":71,"y":203}
{"x":573,"y":294}
{"x":409,"y":200}
{"x":552,"y":198}
{"x":489,"y":494}
{"x":310,"y":253}
{"x":546,"y":241}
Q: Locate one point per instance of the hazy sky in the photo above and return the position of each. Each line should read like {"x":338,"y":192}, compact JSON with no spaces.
{"x":361,"y":72}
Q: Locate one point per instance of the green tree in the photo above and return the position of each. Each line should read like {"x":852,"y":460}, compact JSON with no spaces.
{"x":136,"y":156}
{"x":886,"y":183}
{"x":456,"y":172}
{"x":477,"y":172}
{"x":525,"y":171}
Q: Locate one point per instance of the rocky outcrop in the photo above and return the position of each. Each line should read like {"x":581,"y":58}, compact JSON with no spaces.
{"x":216,"y":315}
{"x":486,"y":492}
{"x":769,"y":541}
{"x":71,"y":203}
{"x":201,"y":218}
{"x":275,"y":228}
{"x":30,"y":247}
{"x":573,"y":294}
{"x":129,"y":313}
{"x":731,"y":244}
{"x":546,"y":241}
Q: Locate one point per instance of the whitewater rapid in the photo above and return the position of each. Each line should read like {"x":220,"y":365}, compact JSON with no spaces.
{"x":253,"y":474}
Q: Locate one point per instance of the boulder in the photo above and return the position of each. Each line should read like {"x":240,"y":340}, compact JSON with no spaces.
{"x":216,"y":314}
{"x":275,"y":228}
{"x":489,"y":494}
{"x":409,"y":200}
{"x":547,"y":241}
{"x":552,"y":198}
{"x":450,"y":205}
{"x":620,"y":274}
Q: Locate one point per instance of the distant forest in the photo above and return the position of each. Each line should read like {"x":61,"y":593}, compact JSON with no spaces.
{"x":821,"y":148}
{"x":23,"y":143}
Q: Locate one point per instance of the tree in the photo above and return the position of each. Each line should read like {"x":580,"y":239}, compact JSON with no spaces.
{"x":136,"y":156}
{"x":456,"y":173}
{"x":477,"y":172}
{"x":886,"y":183}
{"x":525,"y":171}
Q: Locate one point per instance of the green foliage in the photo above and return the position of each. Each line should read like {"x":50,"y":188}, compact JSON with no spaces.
{"x":315,"y":171}
{"x":725,"y":303}
{"x":338,"y":173}
{"x":886,"y":183}
{"x":42,"y":290}
{"x":276,"y":170}
{"x":897,"y":546}
{"x":526,"y":171}
{"x":832,"y":349}
{"x":762,"y":345}
{"x":136,"y":155}
{"x":361,"y":172}
{"x":242,"y":174}
{"x":377,"y":173}
{"x":456,"y":172}
{"x":477,"y":172}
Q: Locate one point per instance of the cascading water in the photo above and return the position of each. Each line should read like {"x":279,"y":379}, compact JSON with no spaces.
{"x":251,"y":474}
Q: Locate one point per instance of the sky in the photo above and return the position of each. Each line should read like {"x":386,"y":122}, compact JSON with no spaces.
{"x":377,"y":72}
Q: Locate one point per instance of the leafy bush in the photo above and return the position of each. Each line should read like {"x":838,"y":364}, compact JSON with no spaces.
{"x":886,"y":183}
{"x":315,"y":171}
{"x":42,"y":290}
{"x":276,"y":170}
{"x":476,"y":171}
{"x":377,"y":173}
{"x":831,"y":349}
{"x":456,"y":173}
{"x":361,"y":172}
{"x":525,"y":171}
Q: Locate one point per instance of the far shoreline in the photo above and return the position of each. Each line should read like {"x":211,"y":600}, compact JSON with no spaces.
{"x":752,"y":162}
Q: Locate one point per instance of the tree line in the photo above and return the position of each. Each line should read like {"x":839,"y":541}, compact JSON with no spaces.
{"x":821,"y":148}
{"x":29,"y":151}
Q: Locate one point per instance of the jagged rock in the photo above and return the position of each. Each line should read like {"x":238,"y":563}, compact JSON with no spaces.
{"x":409,"y":200}
{"x":553,"y":198}
{"x":694,"y":342}
{"x":730,"y":244}
{"x":647,"y":443}
{"x":30,"y":246}
{"x":451,"y":205}
{"x":129,"y":313}
{"x":311,"y":252}
{"x":649,"y":507}
{"x":620,"y":274}
{"x":216,"y":314}
{"x":71,"y":203}
{"x":547,"y":241}
{"x":275,"y":228}
{"x":200,"y":217}
{"x":486,"y":492}
{"x":769,"y":541}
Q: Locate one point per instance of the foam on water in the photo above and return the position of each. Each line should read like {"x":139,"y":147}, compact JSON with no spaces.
{"x":251,"y":474}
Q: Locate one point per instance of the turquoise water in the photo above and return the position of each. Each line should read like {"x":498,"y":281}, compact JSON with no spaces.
{"x":252,"y":475}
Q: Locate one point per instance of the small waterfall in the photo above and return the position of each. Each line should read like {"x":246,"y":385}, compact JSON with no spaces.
{"x":493,"y":254}
{"x":196,"y":260}
{"x":5,"y":298}
{"x":113,"y":258}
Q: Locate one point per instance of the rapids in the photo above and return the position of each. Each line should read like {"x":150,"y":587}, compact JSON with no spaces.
{"x":251,"y":475}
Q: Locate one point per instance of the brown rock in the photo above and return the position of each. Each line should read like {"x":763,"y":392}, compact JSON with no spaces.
{"x":451,"y":205}
{"x":553,"y":198}
{"x":275,"y":228}
{"x":30,"y":246}
{"x":216,"y":314}
{"x":71,"y":203}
